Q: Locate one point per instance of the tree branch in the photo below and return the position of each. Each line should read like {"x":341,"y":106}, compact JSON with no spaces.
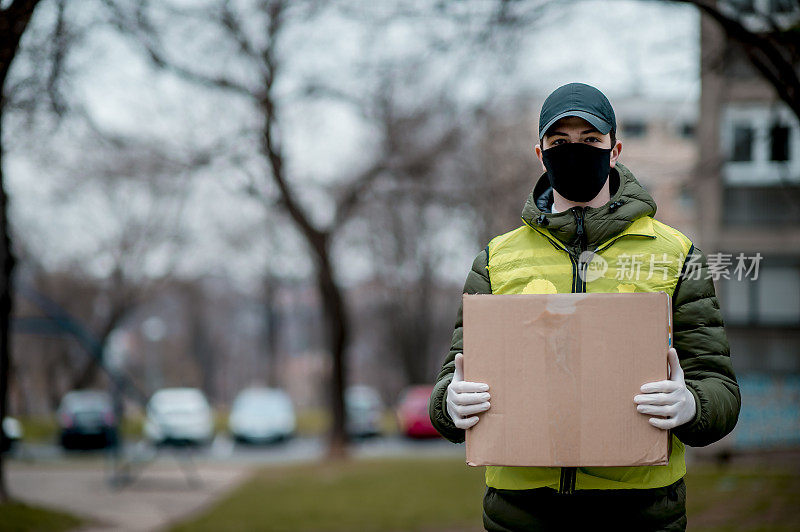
{"x":141,"y":30}
{"x":60,"y":43}
{"x":354,"y":192}
{"x":317,"y":238}
{"x":13,"y":21}
{"x":764,"y":52}
{"x":230,"y":21}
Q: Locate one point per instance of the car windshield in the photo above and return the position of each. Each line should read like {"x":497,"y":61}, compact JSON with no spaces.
{"x":178,"y":408}
{"x":362,"y":397}
{"x":416,"y":398}
{"x":362,"y":403}
{"x":87,"y":402}
{"x":253,"y":403}
{"x":178,"y":403}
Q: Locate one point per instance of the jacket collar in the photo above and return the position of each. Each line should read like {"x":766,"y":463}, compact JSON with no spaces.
{"x":629,"y":202}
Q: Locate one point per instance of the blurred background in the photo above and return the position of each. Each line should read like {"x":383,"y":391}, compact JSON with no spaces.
{"x":235,"y":234}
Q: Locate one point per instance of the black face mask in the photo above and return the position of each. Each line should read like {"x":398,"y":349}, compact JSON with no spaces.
{"x":577,"y":171}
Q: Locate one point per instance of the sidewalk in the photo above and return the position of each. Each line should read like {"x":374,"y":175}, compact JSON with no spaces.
{"x":159,"y":496}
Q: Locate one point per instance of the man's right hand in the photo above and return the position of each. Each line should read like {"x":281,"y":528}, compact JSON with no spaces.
{"x":465,"y":399}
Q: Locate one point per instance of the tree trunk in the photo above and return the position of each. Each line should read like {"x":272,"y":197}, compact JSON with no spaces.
{"x":337,"y":327}
{"x":201,"y":346}
{"x":334,"y":312}
{"x":270,"y":334}
{"x":14,"y":19}
{"x":770,"y":52}
{"x":87,"y":376}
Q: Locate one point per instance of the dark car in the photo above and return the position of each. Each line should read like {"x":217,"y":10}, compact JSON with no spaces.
{"x":86,"y":420}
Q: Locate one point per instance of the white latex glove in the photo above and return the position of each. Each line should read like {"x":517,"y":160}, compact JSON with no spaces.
{"x":465,"y":399}
{"x":669,"y":399}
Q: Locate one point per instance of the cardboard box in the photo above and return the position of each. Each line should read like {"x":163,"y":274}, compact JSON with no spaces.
{"x":562,"y":371}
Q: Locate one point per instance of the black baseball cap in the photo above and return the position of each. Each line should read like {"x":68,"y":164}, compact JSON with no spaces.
{"x":581,"y":100}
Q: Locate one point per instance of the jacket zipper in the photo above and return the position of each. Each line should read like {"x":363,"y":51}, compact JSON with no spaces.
{"x":568,"y":474}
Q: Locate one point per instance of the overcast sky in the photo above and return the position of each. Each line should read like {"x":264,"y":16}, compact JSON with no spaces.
{"x":625,"y":48}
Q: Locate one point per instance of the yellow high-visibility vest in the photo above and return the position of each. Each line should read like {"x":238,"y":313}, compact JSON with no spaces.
{"x":647,"y":257}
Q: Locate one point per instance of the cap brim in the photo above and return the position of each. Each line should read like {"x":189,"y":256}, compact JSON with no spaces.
{"x":601,"y":125}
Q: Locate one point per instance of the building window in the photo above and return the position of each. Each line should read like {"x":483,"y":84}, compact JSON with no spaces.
{"x":779,"y":296}
{"x":773,"y":299}
{"x":634,"y":129}
{"x":759,"y":204}
{"x":686,"y":197}
{"x":742,"y":143}
{"x":745,"y":6}
{"x":779,"y":143}
{"x":762,"y":145}
{"x":782,"y":6}
{"x":736,"y":305}
{"x":750,"y":7}
{"x":687,"y":130}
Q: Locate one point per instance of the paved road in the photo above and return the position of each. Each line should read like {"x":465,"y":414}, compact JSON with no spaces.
{"x":167,"y":486}
{"x":159,"y":496}
{"x":224,"y":449}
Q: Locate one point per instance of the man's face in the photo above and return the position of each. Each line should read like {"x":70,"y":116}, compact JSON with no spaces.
{"x":575,"y":129}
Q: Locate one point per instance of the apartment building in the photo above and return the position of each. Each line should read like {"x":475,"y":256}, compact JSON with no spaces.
{"x":659,"y":147}
{"x":747,"y":193}
{"x":748,"y":197}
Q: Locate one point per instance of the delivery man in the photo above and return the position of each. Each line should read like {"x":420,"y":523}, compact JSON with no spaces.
{"x":587,"y":204}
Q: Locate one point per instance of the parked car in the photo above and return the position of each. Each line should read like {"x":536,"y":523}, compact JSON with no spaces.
{"x":262,"y":415}
{"x":178,"y":416}
{"x":86,"y":420}
{"x":364,"y":411}
{"x":412,"y":412}
{"x":12,"y":428}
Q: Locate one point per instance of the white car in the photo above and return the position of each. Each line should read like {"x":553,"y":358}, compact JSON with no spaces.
{"x":179,"y":416}
{"x":13,"y":431}
{"x":364,"y":411}
{"x":262,"y":415}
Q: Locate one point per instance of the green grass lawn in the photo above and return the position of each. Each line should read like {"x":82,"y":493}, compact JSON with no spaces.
{"x":20,"y":517}
{"x":743,"y":498}
{"x":43,"y":429}
{"x":439,"y":494}
{"x":310,"y":422}
{"x":374,"y":495}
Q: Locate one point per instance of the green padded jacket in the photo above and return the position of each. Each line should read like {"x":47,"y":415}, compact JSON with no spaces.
{"x":699,"y":334}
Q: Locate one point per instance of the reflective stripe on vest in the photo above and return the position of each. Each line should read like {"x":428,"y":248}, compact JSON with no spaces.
{"x":647,"y":257}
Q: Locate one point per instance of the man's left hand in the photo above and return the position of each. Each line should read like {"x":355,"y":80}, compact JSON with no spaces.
{"x":670,"y":399}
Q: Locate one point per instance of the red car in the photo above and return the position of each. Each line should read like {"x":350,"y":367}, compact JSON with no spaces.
{"x":412,"y":413}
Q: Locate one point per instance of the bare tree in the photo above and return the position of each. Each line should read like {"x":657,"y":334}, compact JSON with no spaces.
{"x":264,"y":60}
{"x":128,"y":194}
{"x":772,"y":48}
{"x":132,"y":193}
{"x":405,"y":212}
{"x":262,"y":56}
{"x":498,"y":162}
{"x":203,"y":346}
{"x":14,"y":19}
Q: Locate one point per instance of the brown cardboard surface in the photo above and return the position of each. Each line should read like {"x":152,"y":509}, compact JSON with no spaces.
{"x":562,"y":371}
